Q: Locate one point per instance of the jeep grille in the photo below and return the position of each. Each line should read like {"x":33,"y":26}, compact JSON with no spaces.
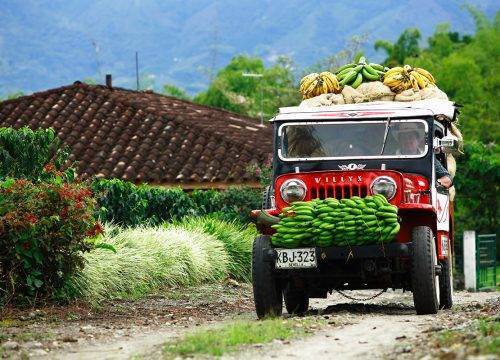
{"x":338,"y":191}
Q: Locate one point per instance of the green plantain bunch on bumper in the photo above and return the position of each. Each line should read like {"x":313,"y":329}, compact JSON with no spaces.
{"x":332,"y":222}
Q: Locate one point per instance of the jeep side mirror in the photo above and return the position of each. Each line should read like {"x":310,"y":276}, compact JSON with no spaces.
{"x":448,"y":145}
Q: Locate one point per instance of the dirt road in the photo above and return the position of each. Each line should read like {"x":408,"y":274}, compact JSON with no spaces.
{"x":380,"y":328}
{"x":384,"y":327}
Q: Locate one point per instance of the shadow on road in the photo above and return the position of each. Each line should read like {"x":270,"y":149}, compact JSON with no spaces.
{"x":362,"y":308}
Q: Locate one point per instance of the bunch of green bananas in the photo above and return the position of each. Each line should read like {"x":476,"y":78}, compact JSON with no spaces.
{"x":401,"y":78}
{"x":354,"y":74}
{"x":354,"y":221}
{"x":316,"y":84}
{"x":295,"y":226}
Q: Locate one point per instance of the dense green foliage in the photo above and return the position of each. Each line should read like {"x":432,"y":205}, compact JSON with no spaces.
{"x":478,"y":188}
{"x":174,"y":91}
{"x":32,"y":155}
{"x":406,"y":46}
{"x":468,"y":70}
{"x":253,"y":96}
{"x":127,"y":204}
{"x":42,"y":236}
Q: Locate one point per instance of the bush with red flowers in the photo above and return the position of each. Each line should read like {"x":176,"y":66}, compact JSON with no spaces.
{"x":43,"y":227}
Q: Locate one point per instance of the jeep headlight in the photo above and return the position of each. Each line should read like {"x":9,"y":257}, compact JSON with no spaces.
{"x":384,"y":185}
{"x":293,"y":190}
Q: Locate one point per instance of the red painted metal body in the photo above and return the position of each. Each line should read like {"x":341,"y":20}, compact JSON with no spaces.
{"x":338,"y":184}
{"x":412,"y":195}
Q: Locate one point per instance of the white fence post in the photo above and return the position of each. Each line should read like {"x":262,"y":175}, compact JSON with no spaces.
{"x":469,"y":246}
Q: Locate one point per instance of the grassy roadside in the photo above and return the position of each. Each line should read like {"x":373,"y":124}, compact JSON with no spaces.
{"x":466,"y":331}
{"x":149,"y":258}
{"x":232,"y":336}
{"x":482,"y":337}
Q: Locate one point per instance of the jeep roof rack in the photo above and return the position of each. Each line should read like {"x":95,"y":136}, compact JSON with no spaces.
{"x":377,"y":109}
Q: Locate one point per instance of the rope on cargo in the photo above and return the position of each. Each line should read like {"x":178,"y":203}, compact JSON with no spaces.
{"x":361,"y":299}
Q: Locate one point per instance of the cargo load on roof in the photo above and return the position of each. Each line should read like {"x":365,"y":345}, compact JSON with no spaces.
{"x":367,"y":82}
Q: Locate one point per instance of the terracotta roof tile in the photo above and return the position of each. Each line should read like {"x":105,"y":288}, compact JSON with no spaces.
{"x":143,"y":136}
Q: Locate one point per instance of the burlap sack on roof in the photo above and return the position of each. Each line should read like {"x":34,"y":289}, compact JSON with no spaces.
{"x":323,"y":100}
{"x":334,"y":99}
{"x":432,"y":92}
{"x":408,"y":95}
{"x":376,"y":91}
{"x":352,"y":96}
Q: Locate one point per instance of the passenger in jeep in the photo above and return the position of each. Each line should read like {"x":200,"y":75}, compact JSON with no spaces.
{"x":410,"y":142}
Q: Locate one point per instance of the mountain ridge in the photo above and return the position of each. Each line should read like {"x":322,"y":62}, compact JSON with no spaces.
{"x":45,"y":44}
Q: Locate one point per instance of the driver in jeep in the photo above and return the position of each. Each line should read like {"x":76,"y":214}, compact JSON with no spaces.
{"x":410,"y":142}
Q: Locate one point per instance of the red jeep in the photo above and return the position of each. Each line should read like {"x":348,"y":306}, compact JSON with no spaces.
{"x":388,"y":148}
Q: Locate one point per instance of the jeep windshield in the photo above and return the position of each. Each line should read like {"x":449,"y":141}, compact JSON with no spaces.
{"x":353,"y":139}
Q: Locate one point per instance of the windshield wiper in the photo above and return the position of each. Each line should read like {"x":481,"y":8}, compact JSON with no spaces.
{"x":387,"y":125}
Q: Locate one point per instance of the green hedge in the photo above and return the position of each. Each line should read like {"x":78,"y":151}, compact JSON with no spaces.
{"x":127,"y":204}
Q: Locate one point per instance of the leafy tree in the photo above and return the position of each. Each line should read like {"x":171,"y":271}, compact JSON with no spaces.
{"x":467,"y":69}
{"x":477,"y":184}
{"x":405,"y":46}
{"x":279,"y":88}
{"x":252,"y":95}
{"x":174,"y":91}
{"x":33,"y":154}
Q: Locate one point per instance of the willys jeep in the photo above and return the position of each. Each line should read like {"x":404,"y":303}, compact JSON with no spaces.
{"x":388,"y":148}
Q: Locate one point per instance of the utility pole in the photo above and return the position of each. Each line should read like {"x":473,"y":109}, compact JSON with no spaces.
{"x":214,"y":48}
{"x":258,"y":76}
{"x":137,"y":69}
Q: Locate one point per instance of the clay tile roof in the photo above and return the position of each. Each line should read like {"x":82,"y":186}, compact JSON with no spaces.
{"x":145,"y":137}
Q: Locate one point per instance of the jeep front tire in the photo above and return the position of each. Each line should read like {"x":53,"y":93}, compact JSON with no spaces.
{"x":267,"y":291}
{"x":425,"y":280}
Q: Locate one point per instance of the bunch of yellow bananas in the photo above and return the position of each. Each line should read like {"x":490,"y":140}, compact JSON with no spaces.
{"x":401,"y":78}
{"x":316,"y":84}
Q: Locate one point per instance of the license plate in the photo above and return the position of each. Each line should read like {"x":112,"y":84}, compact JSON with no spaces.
{"x":296,"y":258}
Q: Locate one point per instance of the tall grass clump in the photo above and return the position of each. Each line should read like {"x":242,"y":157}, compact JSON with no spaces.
{"x":237,"y":240}
{"x":147,"y":259}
